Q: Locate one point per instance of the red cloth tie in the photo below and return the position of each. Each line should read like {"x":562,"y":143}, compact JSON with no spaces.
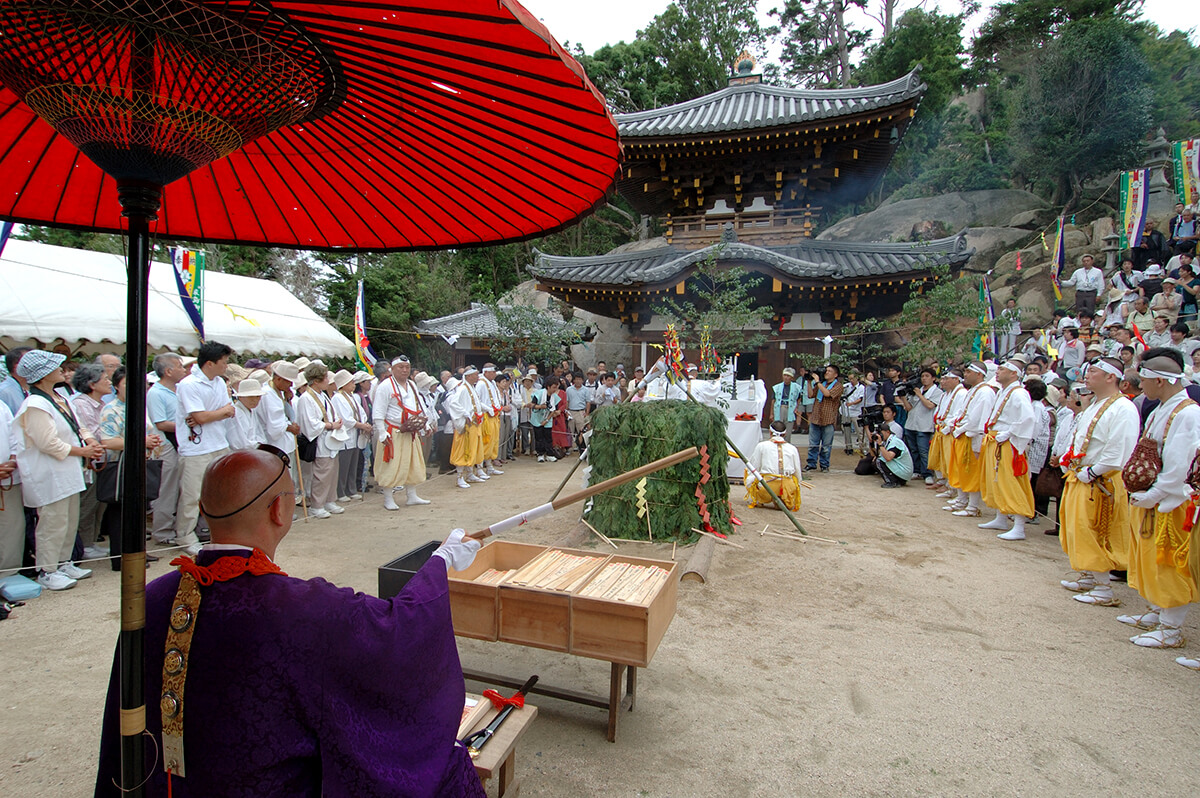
{"x":1020,"y":464}
{"x":500,"y":702}
{"x":226,"y":568}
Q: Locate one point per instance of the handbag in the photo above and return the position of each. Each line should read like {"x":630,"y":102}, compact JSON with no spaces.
{"x":1145,"y":464}
{"x":306,"y":448}
{"x":109,"y":482}
{"x":1049,"y":483}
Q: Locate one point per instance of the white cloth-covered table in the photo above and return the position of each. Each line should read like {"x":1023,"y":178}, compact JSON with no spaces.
{"x":746,"y":435}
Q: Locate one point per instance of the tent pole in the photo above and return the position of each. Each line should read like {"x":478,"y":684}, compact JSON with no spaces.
{"x":140,"y":203}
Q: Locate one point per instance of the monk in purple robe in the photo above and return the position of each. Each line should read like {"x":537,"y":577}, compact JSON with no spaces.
{"x":297,"y":687}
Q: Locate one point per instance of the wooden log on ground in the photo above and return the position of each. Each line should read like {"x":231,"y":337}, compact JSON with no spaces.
{"x":697,"y":566}
{"x":574,"y":539}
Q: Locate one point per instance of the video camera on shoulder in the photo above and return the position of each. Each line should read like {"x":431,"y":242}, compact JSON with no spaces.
{"x":872,"y":418}
{"x":909,"y":386}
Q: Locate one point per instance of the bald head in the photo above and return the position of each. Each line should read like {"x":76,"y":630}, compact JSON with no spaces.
{"x":246,"y":498}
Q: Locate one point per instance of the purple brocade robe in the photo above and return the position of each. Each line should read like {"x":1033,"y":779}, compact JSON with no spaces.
{"x":302,"y":688}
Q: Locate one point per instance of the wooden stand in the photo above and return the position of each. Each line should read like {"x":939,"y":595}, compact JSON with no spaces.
{"x":500,"y":754}
{"x":618,"y":701}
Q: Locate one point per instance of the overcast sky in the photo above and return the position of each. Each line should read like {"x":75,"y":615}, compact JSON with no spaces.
{"x":594,"y":24}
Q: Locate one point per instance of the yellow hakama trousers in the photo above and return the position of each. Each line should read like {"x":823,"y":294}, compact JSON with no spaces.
{"x":1094,"y":528}
{"x":937,"y":457}
{"x":1003,"y":490}
{"x":787,"y":488}
{"x":467,"y":449}
{"x":1163,"y":559}
{"x":966,"y":469}
{"x":491,"y":438}
{"x":407,"y":466}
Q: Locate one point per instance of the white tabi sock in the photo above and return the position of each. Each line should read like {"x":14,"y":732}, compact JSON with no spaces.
{"x":973,"y":500}
{"x":1173,"y":616}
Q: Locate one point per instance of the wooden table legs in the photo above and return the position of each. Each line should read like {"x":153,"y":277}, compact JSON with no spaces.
{"x":618,"y":699}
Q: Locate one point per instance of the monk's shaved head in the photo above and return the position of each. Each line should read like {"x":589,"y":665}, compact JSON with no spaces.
{"x":244,"y":486}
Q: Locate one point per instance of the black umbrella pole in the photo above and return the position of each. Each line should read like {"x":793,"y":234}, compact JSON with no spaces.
{"x":140,"y":205}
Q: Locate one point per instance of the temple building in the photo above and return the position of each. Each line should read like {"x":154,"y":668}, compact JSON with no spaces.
{"x":744,"y":176}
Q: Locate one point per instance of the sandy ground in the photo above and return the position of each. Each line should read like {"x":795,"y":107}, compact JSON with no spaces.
{"x":921,"y":657}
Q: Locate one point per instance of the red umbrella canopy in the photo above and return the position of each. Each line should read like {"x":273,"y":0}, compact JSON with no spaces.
{"x":377,"y":124}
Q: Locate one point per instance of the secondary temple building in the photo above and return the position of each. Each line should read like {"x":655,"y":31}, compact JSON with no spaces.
{"x":743,"y":176}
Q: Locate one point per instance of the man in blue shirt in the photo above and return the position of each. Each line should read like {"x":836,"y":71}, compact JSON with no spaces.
{"x":161,"y":404}
{"x":13,"y":390}
{"x":578,"y":397}
{"x":787,"y":398}
{"x":892,"y":458}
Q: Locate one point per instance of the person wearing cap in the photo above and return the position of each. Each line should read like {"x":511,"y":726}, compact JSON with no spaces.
{"x":967,"y":427}
{"x":1038,"y":453}
{"x":1162,"y":549}
{"x":245,"y":431}
{"x":467,"y":417}
{"x":400,"y":417}
{"x":444,"y":423}
{"x":1095,"y":506}
{"x":853,"y":407}
{"x":786,"y":401}
{"x":51,"y":450}
{"x":1088,"y":280}
{"x":492,"y":403}
{"x":359,"y":428}
{"x":319,"y":420}
{"x":202,"y":418}
{"x":776,"y":463}
{"x":1005,"y":486}
{"x":941,"y":448}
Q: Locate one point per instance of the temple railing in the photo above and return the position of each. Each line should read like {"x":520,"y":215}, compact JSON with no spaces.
{"x":761,"y":228}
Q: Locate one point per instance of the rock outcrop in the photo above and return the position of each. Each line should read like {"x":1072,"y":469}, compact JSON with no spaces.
{"x":894,"y":221}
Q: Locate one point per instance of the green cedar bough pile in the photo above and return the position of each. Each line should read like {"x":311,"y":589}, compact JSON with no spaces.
{"x":630,"y":435}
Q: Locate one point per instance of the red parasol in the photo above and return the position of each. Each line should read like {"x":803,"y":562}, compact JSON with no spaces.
{"x":371,"y":124}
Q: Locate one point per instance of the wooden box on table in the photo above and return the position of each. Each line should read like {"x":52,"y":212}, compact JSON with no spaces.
{"x":613,"y":630}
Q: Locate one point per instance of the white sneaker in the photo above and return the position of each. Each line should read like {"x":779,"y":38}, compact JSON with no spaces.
{"x":74,"y":571}
{"x":1147,"y":620}
{"x":471,"y":478}
{"x":94,"y":553}
{"x":55,"y":580}
{"x":462,"y":483}
{"x":551,"y":458}
{"x":344,"y":499}
{"x":355,"y":495}
{"x":319,"y":512}
{"x":389,"y":501}
{"x":1160,"y":637}
{"x":335,"y":508}
{"x":541,"y":458}
{"x":929,"y":480}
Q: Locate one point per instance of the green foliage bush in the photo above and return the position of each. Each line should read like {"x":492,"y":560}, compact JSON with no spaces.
{"x":630,"y":435}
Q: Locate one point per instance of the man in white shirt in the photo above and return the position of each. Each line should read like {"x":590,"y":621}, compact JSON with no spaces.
{"x":161,"y":404}
{"x":466,"y":415}
{"x":1007,"y":434}
{"x":1088,"y":280}
{"x":319,"y":421}
{"x":967,"y":428}
{"x":1095,"y":507}
{"x":492,"y":403}
{"x":201,"y":423}
{"x":918,"y":426}
{"x":400,"y":417}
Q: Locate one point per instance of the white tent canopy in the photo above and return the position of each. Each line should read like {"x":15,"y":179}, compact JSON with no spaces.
{"x":48,"y":294}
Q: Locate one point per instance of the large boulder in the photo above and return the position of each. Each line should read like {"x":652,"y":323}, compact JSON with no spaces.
{"x":895,"y":221}
{"x":991,"y":243}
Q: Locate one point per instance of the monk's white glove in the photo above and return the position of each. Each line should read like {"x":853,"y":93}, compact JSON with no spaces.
{"x":1143,"y":500}
{"x":1085,"y":475}
{"x":383,"y":436}
{"x":458,"y":551}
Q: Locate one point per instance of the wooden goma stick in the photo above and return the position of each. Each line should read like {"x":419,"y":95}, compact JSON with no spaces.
{"x":578,"y":496}
{"x":567,"y":478}
{"x":600,"y":534}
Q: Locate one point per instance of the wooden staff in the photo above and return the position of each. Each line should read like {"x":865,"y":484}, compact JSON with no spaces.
{"x":300,"y":478}
{"x":567,"y":478}
{"x":586,"y":493}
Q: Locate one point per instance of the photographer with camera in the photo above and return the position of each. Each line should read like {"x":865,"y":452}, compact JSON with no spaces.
{"x":920,"y":398}
{"x":893,"y":461}
{"x":852,"y":410}
{"x":828,"y":396}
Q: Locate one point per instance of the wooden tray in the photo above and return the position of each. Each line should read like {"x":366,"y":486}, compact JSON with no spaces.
{"x":475,"y":607}
{"x":621,"y":631}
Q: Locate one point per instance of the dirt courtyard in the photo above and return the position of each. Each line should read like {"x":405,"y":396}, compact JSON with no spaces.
{"x":922,"y":657}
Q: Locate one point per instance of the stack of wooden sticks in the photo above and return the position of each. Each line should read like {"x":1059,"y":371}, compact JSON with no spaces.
{"x":621,"y":581}
{"x":550,"y":570}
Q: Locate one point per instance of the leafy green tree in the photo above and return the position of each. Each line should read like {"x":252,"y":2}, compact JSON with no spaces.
{"x":818,"y":42}
{"x":1174,"y":75}
{"x":1085,"y":108}
{"x":926,"y":38}
{"x":75,"y":239}
{"x":698,"y":42}
{"x":1015,"y":28}
{"x":531,"y":335}
{"x":632,"y":76}
{"x":720,"y":298}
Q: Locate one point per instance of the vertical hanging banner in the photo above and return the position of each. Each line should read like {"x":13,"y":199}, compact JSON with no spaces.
{"x":1185,"y":156}
{"x":362,"y":345}
{"x":1134,"y":203}
{"x":987,"y":320}
{"x":189,"y":279}
{"x":1058,"y":260}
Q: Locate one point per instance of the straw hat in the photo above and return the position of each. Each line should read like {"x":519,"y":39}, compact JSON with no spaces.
{"x":300,"y":380}
{"x":302,"y":363}
{"x":342,"y":378}
{"x":235,"y":373}
{"x":261,"y":375}
{"x":361,"y":376}
{"x":424,"y":381}
{"x":249,"y":387}
{"x":286,"y":370}
{"x":187,"y":361}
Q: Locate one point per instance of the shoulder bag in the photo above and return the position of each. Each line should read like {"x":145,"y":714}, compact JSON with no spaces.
{"x":109,"y":484}
{"x":1145,"y":464}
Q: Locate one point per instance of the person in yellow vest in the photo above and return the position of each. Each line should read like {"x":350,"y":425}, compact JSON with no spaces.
{"x":966,"y":471}
{"x":1162,"y":547}
{"x":777,"y":463}
{"x":1095,"y":507}
{"x":467,"y":417}
{"x":491,"y":403}
{"x":1005,"y":486}
{"x":942,"y":445}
